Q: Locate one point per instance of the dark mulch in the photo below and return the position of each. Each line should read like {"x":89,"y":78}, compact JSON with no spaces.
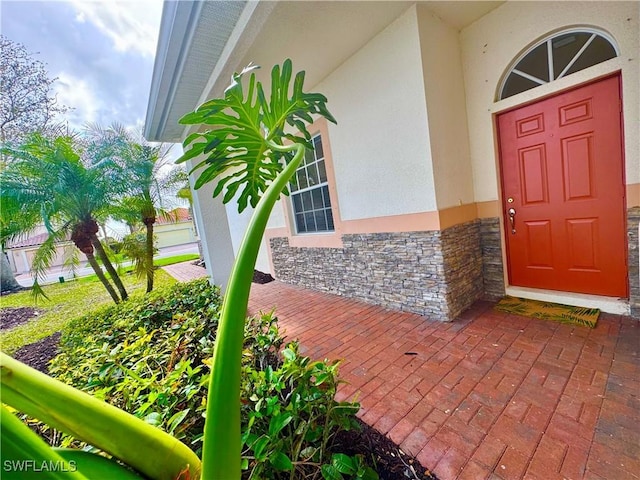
{"x":12,"y":317}
{"x":38,"y":354}
{"x":260,"y":277}
{"x":387,"y":459}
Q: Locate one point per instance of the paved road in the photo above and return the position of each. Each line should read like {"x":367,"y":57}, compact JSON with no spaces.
{"x":54,"y":274}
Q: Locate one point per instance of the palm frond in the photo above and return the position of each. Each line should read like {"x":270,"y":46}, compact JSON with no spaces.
{"x":43,"y":259}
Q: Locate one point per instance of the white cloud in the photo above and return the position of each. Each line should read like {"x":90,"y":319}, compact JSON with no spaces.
{"x":76,"y":93}
{"x":130,"y":25}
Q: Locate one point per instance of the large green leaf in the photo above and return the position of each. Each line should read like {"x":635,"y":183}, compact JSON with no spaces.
{"x":236,"y":150}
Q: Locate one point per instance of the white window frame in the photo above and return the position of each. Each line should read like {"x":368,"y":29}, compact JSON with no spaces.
{"x":328,"y":211}
{"x":548,"y":40}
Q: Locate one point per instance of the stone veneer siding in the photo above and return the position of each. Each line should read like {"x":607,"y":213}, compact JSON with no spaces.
{"x":633,"y":220}
{"x":492,"y":265}
{"x":433,"y":273}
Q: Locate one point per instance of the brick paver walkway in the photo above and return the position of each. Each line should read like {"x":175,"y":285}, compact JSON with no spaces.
{"x":185,"y":271}
{"x":490,"y":395}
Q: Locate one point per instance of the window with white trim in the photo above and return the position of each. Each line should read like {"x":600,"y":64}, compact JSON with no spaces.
{"x":555,"y":57}
{"x":310,"y":193}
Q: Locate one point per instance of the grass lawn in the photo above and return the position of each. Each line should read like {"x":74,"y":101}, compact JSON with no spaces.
{"x":161,"y":262}
{"x":66,"y":301}
{"x":157,"y":262}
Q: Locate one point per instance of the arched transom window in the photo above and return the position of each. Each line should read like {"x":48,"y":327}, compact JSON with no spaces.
{"x":555,"y":57}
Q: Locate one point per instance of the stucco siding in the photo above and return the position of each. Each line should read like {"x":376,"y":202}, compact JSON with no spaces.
{"x":445,"y":96}
{"x":489,"y":46}
{"x":381,"y":147}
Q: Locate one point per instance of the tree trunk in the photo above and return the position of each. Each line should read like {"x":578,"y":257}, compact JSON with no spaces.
{"x":96,"y":268}
{"x":8,"y":281}
{"x":109,"y":267}
{"x":149,"y":256}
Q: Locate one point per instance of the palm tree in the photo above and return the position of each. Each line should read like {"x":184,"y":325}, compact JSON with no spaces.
{"x":150,"y":181}
{"x":71,"y":195}
{"x":16,"y":220}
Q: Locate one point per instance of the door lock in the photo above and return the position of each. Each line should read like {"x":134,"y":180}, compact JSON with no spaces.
{"x":512,"y":219}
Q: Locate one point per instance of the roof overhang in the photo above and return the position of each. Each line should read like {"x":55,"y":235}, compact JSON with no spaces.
{"x":192,"y":37}
{"x":201,"y":43}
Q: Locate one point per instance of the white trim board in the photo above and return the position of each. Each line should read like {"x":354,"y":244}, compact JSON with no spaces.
{"x":613,"y":305}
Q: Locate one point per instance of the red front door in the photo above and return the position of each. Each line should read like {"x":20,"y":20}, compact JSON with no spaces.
{"x":563,"y":192}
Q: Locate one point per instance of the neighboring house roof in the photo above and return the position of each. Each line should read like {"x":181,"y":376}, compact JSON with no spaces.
{"x":32,"y":241}
{"x":177,"y":215}
{"x":200,"y":41}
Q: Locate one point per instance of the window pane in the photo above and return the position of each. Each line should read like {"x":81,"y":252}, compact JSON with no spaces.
{"x":516,"y":84}
{"x":565,"y":48}
{"x":309,"y":219}
{"x":536,"y":63}
{"x":321,"y":221}
{"x":316,"y":197}
{"x":317,"y":144}
{"x":306,"y":201}
{"x":322,"y":172}
{"x":312,"y":175}
{"x":297,"y":203}
{"x":300,"y":223}
{"x":600,"y":50}
{"x":329,"y":219}
{"x":292,"y":186}
{"x":302,"y":179}
{"x":308,"y":157}
{"x":325,"y":196}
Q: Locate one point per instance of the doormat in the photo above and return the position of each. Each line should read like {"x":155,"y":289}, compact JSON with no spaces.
{"x":587,"y":317}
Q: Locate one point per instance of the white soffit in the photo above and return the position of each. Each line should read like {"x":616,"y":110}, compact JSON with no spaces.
{"x":192,"y":37}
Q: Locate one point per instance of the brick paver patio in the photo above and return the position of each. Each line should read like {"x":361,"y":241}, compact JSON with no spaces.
{"x":489,"y":396}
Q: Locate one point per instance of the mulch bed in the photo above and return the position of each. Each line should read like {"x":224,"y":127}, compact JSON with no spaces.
{"x":261,"y":277}
{"x":12,"y":317}
{"x":389,"y":461}
{"x":37,"y":355}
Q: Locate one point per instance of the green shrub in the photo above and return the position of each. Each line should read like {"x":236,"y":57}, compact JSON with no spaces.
{"x":289,"y":417}
{"x":150,"y":357}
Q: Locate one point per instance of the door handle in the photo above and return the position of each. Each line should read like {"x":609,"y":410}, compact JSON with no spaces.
{"x":512,"y":219}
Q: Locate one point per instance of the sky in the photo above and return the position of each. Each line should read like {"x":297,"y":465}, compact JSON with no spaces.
{"x":101,"y":51}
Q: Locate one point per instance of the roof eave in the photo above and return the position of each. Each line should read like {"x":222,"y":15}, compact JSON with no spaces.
{"x":177,"y":28}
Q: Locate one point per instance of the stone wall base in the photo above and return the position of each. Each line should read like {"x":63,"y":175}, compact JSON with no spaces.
{"x":435,"y":273}
{"x":633,"y":220}
{"x":492,"y":265}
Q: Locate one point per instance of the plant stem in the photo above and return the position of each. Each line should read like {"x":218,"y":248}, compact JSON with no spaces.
{"x":147,"y":449}
{"x":20,"y":444}
{"x":221,"y":450}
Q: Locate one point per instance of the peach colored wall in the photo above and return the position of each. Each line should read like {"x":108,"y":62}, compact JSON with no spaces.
{"x":633,"y":195}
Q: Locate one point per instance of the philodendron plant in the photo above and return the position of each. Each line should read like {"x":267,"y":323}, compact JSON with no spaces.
{"x":249,"y":149}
